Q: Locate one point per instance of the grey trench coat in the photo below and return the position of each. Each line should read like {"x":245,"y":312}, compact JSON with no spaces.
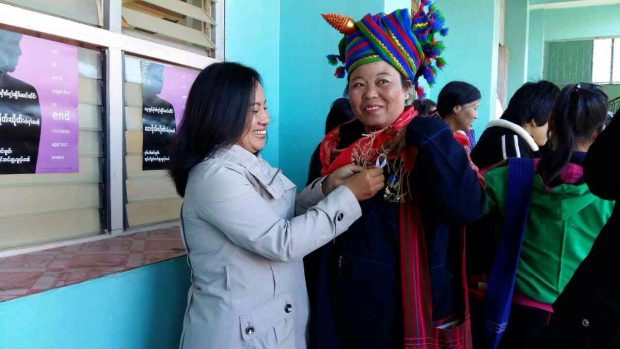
{"x":245,"y":248}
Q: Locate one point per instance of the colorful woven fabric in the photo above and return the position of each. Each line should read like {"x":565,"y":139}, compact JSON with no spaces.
{"x":406,"y":42}
{"x":333,"y":158}
{"x":387,"y":38}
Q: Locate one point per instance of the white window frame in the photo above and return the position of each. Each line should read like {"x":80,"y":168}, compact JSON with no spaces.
{"x":115,"y":44}
{"x":615,"y":46}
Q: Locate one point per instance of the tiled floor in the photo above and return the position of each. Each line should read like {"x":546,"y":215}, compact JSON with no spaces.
{"x":39,"y":271}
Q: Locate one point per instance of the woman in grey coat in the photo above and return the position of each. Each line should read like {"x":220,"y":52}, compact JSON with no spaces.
{"x":245,"y":229}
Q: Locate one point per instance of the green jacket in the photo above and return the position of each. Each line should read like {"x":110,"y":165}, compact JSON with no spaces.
{"x":563,"y":223}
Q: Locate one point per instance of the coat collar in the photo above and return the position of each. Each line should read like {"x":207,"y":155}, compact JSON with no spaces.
{"x":520,"y":131}
{"x":255,"y":164}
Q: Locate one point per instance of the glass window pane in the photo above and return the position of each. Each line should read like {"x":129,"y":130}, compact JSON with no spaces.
{"x":89,"y":12}
{"x":601,"y":61}
{"x":54,"y":192}
{"x":616,"y":69}
{"x":155,"y":95}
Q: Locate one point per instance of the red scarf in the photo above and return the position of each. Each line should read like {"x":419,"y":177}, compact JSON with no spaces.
{"x":333,"y":158}
{"x":419,"y":330}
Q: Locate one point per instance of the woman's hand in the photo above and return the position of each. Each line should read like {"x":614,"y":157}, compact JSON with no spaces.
{"x":338,"y":177}
{"x":366,"y":184}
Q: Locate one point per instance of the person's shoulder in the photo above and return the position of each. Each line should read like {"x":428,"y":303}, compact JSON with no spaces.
{"x":160,"y":102}
{"x":166,"y":104}
{"x":218,"y":177}
{"x":494,"y":131}
{"x":18,"y":84}
{"x":214,"y":169}
{"x":497,"y":173}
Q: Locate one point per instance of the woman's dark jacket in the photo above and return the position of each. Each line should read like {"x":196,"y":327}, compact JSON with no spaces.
{"x":354,"y":283}
{"x":587,"y":313}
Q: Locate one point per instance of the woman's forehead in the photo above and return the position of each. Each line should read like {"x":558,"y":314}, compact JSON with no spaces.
{"x":374,"y":69}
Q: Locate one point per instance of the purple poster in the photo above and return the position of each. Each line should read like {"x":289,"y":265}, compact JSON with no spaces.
{"x":38,"y":105}
{"x":164,"y":93}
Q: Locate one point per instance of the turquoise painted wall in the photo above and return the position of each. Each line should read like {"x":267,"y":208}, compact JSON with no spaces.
{"x":307,"y":84}
{"x":391,"y":5}
{"x":140,"y":308}
{"x":253,"y":38}
{"x":536,"y":2}
{"x":516,"y":36}
{"x":582,"y":23}
{"x":536,"y":45}
{"x":471,"y":50}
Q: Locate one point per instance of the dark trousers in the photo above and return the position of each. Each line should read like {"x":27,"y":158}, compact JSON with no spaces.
{"x":578,"y":328}
{"x":525,"y":328}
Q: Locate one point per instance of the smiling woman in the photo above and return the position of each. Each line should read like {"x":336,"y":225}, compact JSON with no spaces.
{"x":244,"y":243}
{"x":255,"y":134}
{"x":397,"y":279}
{"x":376,"y":93}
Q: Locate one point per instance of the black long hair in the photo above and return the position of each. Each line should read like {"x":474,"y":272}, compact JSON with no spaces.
{"x":339,"y":113}
{"x":455,"y":93}
{"x":215,"y":116}
{"x":532,"y":101}
{"x":579,"y":111}
{"x":424,"y":106}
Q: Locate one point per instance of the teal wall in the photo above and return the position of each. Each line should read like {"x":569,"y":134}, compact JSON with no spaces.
{"x":253,"y":38}
{"x":307,"y":84}
{"x":391,"y":5}
{"x":536,"y":45}
{"x":536,"y":2}
{"x":582,"y":23}
{"x":471,"y":50}
{"x":140,"y":308}
{"x":516,"y":30}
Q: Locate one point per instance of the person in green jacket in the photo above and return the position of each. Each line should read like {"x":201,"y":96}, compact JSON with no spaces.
{"x":564,"y":216}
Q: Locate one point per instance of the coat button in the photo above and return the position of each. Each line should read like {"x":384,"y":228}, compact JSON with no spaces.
{"x":288,"y":308}
{"x":249,"y":330}
{"x":585,"y":323}
{"x":340,"y":216}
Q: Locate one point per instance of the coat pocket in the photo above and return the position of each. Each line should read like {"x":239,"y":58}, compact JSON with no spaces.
{"x":269,"y":325}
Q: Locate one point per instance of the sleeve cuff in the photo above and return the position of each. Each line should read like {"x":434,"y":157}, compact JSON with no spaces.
{"x":316,"y":189}
{"x":344,"y":208}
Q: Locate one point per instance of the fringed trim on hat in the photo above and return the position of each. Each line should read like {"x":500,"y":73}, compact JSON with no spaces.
{"x":340,"y":72}
{"x":338,"y":59}
{"x":419,"y":91}
{"x":426,"y":23}
{"x":333,"y":59}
